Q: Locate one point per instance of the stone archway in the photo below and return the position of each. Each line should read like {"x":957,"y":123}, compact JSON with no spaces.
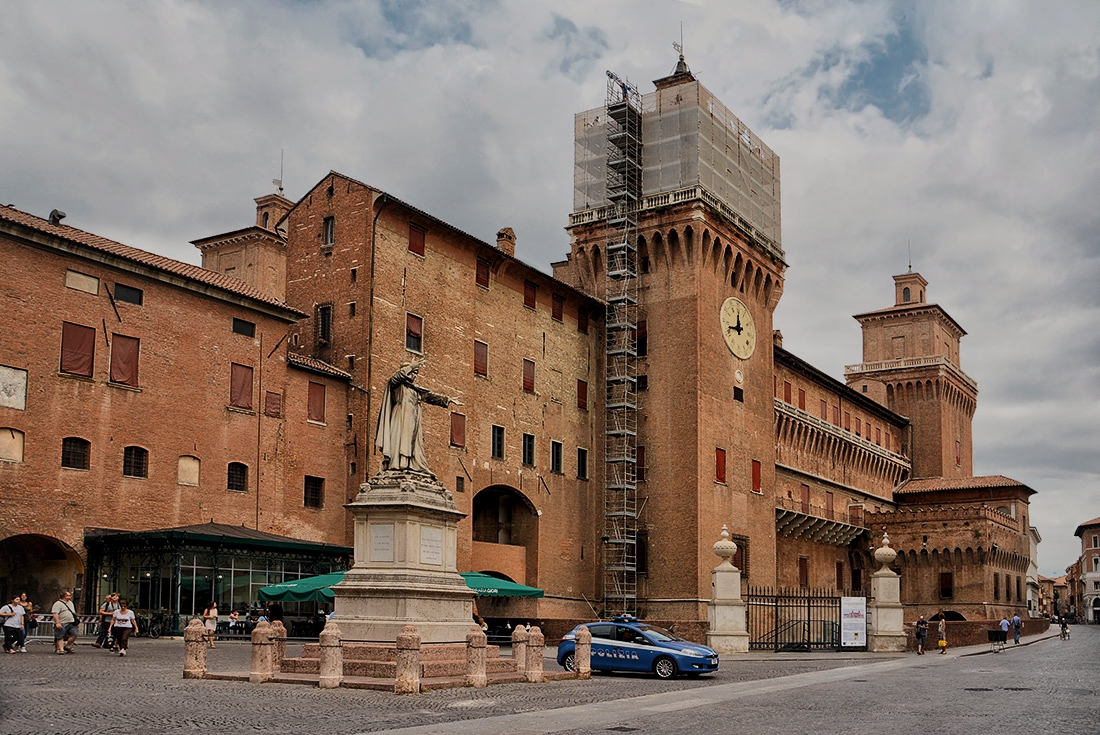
{"x":41,"y":566}
{"x":505,"y":534}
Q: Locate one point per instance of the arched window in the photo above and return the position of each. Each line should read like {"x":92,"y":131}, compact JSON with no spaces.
{"x":75,"y":453}
{"x":188,"y":471}
{"x":265,"y":220}
{"x":135,"y":462}
{"x":905,"y":295}
{"x":11,"y":444}
{"x":237,"y":477}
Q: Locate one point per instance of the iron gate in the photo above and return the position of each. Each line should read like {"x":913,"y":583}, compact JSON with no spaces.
{"x":800,"y":619}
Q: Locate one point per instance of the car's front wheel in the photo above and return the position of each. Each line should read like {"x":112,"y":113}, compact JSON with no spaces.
{"x":569,"y":663}
{"x":664,"y":668}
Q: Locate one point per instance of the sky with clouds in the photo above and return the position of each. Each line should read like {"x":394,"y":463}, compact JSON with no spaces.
{"x":970,"y":130}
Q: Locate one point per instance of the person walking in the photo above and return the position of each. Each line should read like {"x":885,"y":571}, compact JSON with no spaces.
{"x":1017,"y":624}
{"x":106,"y":610}
{"x":210,"y":622}
{"x":13,"y":614}
{"x":123,"y":623}
{"x":922,"y":634}
{"x":28,"y":621}
{"x":65,"y":629}
{"x":941,"y":628}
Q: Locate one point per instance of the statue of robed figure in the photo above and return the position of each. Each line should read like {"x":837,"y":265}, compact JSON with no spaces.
{"x":399,"y":436}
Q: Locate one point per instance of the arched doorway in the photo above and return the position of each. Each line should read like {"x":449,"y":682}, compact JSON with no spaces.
{"x":41,"y":566}
{"x":505,"y":534}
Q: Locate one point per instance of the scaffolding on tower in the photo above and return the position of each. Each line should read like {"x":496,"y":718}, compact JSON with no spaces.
{"x":624,"y":190}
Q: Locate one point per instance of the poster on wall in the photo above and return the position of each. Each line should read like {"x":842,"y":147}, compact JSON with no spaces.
{"x":853,"y":622}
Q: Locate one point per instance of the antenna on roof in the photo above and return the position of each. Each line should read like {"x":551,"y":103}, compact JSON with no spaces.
{"x":909,"y":245}
{"x":279,"y":181}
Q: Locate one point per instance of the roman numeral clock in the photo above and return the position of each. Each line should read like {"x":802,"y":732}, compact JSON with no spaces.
{"x":738,"y":328}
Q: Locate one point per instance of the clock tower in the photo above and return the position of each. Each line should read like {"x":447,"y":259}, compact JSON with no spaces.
{"x":704,"y":227}
{"x":911,"y":364}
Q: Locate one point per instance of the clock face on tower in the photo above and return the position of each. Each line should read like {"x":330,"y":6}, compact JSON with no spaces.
{"x":738,"y":329}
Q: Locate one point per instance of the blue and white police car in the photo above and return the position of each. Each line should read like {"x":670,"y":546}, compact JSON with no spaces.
{"x":627,"y":644}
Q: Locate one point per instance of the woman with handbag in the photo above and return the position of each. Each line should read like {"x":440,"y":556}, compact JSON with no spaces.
{"x":942,"y":629}
{"x":123,"y":624}
{"x":210,"y":622}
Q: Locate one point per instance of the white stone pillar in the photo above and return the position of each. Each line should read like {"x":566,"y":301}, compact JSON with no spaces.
{"x":582,"y":653}
{"x":332,"y":657}
{"x":408,"y":662}
{"x":194,"y":650}
{"x":887,"y":620}
{"x":262,"y":659}
{"x":533,"y":668}
{"x":727,"y":613}
{"x":475,"y":658}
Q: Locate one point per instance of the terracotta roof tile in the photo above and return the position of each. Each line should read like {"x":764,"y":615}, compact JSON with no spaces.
{"x":317,"y":366}
{"x":932,"y":484}
{"x":102,"y":244}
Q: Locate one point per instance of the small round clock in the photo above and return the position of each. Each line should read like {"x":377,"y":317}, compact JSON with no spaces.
{"x":738,"y":329}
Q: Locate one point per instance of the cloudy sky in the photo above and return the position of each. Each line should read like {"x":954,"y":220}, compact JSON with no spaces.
{"x":969,"y":129}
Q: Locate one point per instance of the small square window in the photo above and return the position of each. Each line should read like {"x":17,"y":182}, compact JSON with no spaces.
{"x":529,"y":450}
{"x":314,"y":495}
{"x":241,"y":326}
{"x":135,"y":462}
{"x":482,"y":276}
{"x":582,"y":464}
{"x":557,"y":309}
{"x":498,"y":442}
{"x":75,"y":453}
{"x":739,"y":394}
{"x":414,"y":333}
{"x":129,"y":294}
{"x":643,"y":382}
{"x":529,"y":292}
{"x":236,"y":477}
{"x":416,"y":239}
{"x":555,"y":457}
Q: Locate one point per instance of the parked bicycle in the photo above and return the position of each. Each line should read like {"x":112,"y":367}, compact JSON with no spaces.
{"x":151,"y":626}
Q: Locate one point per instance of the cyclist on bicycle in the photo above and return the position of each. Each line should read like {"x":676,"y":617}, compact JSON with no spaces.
{"x":1064,"y":623}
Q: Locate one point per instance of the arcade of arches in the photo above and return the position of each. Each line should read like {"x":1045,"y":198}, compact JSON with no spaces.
{"x":41,"y":566}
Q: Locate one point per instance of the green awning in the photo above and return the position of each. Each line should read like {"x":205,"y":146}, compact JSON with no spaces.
{"x":319,"y":589}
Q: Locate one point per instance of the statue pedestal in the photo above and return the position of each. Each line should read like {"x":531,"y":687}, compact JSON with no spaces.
{"x":887,"y":631}
{"x":405,"y":569}
{"x":727,"y":613}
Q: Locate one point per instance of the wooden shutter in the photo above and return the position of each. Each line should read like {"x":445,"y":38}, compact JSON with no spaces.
{"x":316,"y":411}
{"x":240,"y":387}
{"x":529,"y":376}
{"x":416,"y":239}
{"x":481,"y":358}
{"x":719,"y":465}
{"x":482,"y":273}
{"x":558,"y":308}
{"x":582,"y":394}
{"x":529,"y":292}
{"x":124,"y":359}
{"x":77,"y":349}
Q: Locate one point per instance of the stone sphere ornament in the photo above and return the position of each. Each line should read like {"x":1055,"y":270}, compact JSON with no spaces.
{"x":724,"y":548}
{"x":884,"y":555}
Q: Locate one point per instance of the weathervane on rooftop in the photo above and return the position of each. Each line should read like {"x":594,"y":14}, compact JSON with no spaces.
{"x":279,"y":181}
{"x":680,"y":46}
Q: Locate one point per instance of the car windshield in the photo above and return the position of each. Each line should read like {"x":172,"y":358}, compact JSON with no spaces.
{"x":659,"y":634}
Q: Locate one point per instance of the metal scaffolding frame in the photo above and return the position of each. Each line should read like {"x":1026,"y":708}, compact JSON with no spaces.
{"x":623,"y":120}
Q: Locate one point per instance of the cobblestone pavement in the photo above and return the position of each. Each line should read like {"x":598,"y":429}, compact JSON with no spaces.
{"x":92,"y":691}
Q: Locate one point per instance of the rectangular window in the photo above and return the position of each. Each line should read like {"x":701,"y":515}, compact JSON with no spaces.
{"x":803,"y":571}
{"x":328,"y":232}
{"x":124,"y":359}
{"x":482,"y":277}
{"x":555,"y":457}
{"x":582,"y":395}
{"x":75,"y":453}
{"x":458,"y":430}
{"x":354,"y":275}
{"x":242,"y":326}
{"x":557,"y":309}
{"x":314,"y":495}
{"x":787,"y":392}
{"x":888,"y":442}
{"x":643,"y":382}
{"x":996,"y":586}
{"x":756,"y":484}
{"x":824,"y":410}
{"x":498,"y":442}
{"x":82,"y":282}
{"x":857,"y":579}
{"x":460,"y":484}
{"x":416,"y":239}
{"x":135,"y":462}
{"x":351,"y":308}
{"x":878,"y":436}
{"x":642,"y":552}
{"x":840,"y":575}
{"x":273,"y":404}
{"x":958,"y":453}
{"x":738,"y":394}
{"x":582,"y":464}
{"x":719,"y":465}
{"x":855,"y":515}
{"x":316,"y":410}
{"x":847,"y":421}
{"x":859,"y":427}
{"x":529,"y":376}
{"x":1018,"y":587}
{"x":236,"y":477}
{"x":836,"y":415}
{"x":240,"y":386}
{"x":805,"y":498}
{"x":582,"y":321}
{"x":481,"y":358}
{"x":802,"y":399}
{"x":829,"y":513}
{"x":639,"y":464}
{"x":414,"y":333}
{"x":530,"y":290}
{"x":324,"y":324}
{"x":947,"y":585}
{"x":641,"y":339}
{"x":77,"y":349}
{"x":129,"y":294}
{"x":529,"y":450}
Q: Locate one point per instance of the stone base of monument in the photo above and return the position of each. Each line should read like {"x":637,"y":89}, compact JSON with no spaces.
{"x":405,"y":571}
{"x":377,"y":661}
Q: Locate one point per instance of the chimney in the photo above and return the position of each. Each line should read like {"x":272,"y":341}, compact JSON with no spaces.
{"x":777,"y":338}
{"x":506,"y":241}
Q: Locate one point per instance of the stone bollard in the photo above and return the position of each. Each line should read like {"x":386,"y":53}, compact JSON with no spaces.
{"x":194,"y":650}
{"x":475,"y":658}
{"x":408,"y":661}
{"x":582,"y":653}
{"x":261,"y":654}
{"x":278,"y":645}
{"x":533,"y":669}
{"x":332,"y":657}
{"x":519,"y":648}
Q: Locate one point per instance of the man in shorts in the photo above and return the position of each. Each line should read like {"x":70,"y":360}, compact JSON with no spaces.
{"x":106,"y":610}
{"x":64,"y":623}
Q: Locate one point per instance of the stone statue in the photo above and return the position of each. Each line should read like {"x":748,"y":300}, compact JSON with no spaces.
{"x":399,"y":436}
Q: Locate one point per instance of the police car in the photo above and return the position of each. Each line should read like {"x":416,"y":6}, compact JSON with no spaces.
{"x":627,"y":644}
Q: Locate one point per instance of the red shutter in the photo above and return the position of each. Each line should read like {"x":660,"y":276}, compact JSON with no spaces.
{"x":803,"y":572}
{"x":240,"y":387}
{"x":316,"y":411}
{"x":482,"y":278}
{"x":416,"y":239}
{"x":802,"y":399}
{"x":273,"y":404}
{"x":756,"y":486}
{"x":529,"y":376}
{"x":829,"y":505}
{"x":720,"y":465}
{"x":582,"y":321}
{"x":806,"y":499}
{"x":847,"y":421}
{"x":77,"y":349}
{"x":824,"y":410}
{"x":529,"y":291}
{"x":859,"y":427}
{"x":558,"y":308}
{"x":458,"y":430}
{"x":582,"y":395}
{"x":124,"y":359}
{"x":787,"y":391}
{"x":481,"y":358}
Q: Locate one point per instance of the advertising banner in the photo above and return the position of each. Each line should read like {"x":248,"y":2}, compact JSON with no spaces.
{"x":853,"y":622}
